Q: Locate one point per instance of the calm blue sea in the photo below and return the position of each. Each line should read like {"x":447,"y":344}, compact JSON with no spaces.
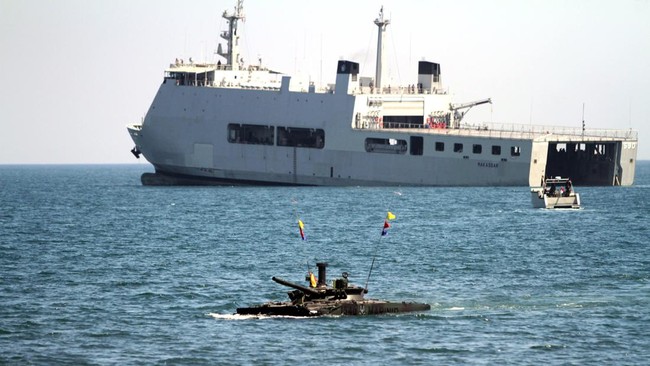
{"x":97,"y":269}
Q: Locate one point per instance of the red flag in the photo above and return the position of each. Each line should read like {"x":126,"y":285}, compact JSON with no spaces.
{"x":384,"y":231}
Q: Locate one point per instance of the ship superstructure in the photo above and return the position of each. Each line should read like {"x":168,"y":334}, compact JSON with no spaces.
{"x":230,"y":123}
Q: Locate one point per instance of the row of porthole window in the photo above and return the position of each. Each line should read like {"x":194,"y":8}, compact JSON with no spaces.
{"x":478,"y":149}
{"x":399,"y":146}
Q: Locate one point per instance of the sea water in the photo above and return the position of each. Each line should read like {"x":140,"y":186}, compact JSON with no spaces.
{"x":97,"y":269}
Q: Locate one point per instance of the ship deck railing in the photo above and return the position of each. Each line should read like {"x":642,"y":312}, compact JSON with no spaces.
{"x":511,"y":130}
{"x":398,"y":90}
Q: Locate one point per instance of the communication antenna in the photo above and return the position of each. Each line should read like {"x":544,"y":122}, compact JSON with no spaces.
{"x":583,"y":119}
{"x":630,"y":114}
{"x":320,"y":74}
{"x":381,"y":24}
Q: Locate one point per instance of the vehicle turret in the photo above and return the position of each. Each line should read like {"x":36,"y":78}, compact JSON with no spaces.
{"x":340,"y":288}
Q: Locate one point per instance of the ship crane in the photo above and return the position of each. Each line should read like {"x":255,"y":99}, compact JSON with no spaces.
{"x":459,"y":113}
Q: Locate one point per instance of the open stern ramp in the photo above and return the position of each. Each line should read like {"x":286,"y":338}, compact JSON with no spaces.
{"x":599,"y":158}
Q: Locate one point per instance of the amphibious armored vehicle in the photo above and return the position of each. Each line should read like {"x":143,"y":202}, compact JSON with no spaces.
{"x":319,"y":299}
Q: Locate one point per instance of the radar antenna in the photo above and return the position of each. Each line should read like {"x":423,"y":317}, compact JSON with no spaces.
{"x":232,"y":36}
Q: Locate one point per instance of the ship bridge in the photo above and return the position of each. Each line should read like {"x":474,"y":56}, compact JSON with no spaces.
{"x":222,"y":76}
{"x":191,"y":74}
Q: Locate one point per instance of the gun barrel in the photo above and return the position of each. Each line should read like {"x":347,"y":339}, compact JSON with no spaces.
{"x":302,"y":288}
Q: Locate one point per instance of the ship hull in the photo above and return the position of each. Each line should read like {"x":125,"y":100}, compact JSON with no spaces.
{"x":192,"y":147}
{"x":187,"y":135}
{"x":174,"y":175}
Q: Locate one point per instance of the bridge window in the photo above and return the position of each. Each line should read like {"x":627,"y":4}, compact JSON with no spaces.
{"x":301,"y":137}
{"x":458,"y":148}
{"x":496,"y":150}
{"x":250,"y":134}
{"x":440,"y":146}
{"x":386,"y":146}
{"x":515,"y":151}
{"x":477,"y":149}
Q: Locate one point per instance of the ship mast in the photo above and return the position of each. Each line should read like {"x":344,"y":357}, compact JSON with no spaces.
{"x":231,"y":36}
{"x":381,"y":25}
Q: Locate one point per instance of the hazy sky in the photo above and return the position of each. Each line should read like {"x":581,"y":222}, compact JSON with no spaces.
{"x":75,"y":72}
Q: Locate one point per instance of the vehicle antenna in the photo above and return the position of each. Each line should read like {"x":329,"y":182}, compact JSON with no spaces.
{"x":365,"y":288}
{"x":384,"y":232}
{"x":294,"y":202}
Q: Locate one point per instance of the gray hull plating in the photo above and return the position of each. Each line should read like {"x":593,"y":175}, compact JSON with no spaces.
{"x":184,"y":135}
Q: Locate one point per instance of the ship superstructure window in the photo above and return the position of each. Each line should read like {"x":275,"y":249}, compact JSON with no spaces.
{"x":250,"y":134}
{"x":515,"y":151}
{"x":301,"y":137}
{"x":193,"y":75}
{"x":440,"y":146}
{"x":386,"y":146}
{"x":496,"y":150}
{"x":417,"y":145}
{"x":477,"y":149}
{"x":458,"y":148}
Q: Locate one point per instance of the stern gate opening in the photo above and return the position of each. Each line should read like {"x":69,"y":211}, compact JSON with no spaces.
{"x":586,"y":163}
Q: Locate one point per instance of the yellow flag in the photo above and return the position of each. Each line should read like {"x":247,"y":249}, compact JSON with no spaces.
{"x":301,"y":227}
{"x":312,"y":279}
{"x":390,"y":216}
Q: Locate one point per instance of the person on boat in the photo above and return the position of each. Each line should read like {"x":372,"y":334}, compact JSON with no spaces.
{"x":569,"y":188}
{"x":551,"y":192}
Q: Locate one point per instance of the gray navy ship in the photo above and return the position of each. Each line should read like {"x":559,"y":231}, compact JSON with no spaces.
{"x":318,"y":299}
{"x":231,"y":123}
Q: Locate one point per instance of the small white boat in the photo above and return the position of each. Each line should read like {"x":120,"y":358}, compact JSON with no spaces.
{"x":555,"y":193}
